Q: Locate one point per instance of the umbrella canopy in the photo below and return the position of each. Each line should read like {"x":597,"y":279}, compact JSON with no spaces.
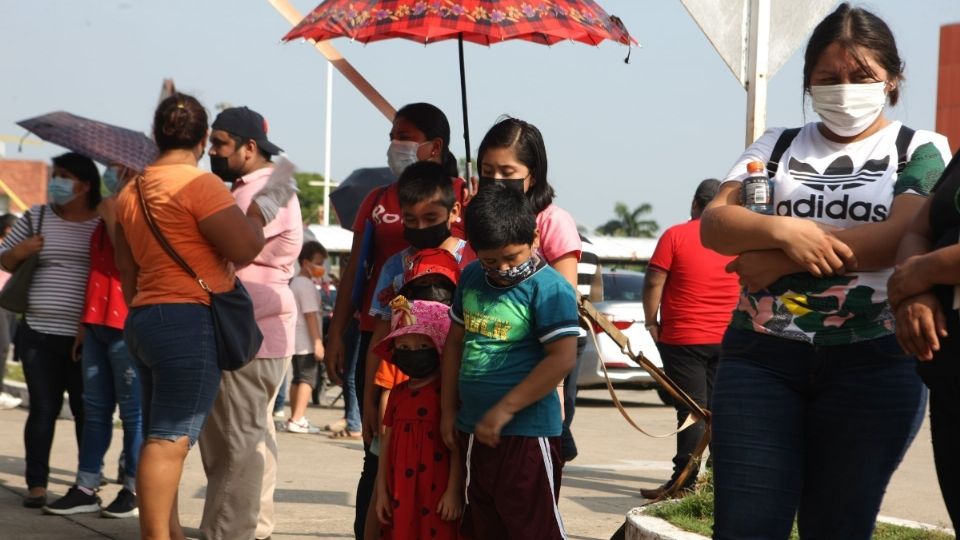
{"x":348,"y":196}
{"x":105,"y":143}
{"x":478,"y":21}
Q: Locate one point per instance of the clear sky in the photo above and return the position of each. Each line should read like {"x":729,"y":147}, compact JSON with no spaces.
{"x":647,"y":131}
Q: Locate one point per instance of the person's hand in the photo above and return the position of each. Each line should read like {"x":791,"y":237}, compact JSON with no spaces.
{"x":279,"y":189}
{"x":654,"y":329}
{"x":815,"y":250}
{"x":333,"y":356}
{"x":370,"y":423}
{"x":318,"y":352}
{"x":28,"y":247}
{"x":76,"y":351}
{"x":450,"y":507}
{"x":920,"y":325}
{"x":487,"y":431}
{"x":757,"y":269}
{"x":908,"y":279}
{"x":384,"y":504}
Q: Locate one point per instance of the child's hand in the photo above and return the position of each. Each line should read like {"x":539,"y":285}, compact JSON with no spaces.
{"x":384,"y":504}
{"x":488,"y":430}
{"x":451,"y":505}
{"x":448,"y":429}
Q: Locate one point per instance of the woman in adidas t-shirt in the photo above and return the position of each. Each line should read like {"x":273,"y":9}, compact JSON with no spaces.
{"x":814,"y":402}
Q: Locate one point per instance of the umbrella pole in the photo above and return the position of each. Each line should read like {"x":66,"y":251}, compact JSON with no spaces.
{"x":463,"y":99}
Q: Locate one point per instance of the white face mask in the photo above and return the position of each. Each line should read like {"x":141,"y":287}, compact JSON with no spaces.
{"x":849,"y":109}
{"x":402,"y":154}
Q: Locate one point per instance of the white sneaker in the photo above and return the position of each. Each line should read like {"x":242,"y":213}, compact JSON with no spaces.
{"x":301,"y":426}
{"x":9,"y":402}
{"x":279,"y":415}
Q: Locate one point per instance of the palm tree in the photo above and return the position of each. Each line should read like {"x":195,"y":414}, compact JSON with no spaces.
{"x":630,"y":223}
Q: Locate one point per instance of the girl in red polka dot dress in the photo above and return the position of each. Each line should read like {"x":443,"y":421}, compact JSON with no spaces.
{"x":419,"y":482}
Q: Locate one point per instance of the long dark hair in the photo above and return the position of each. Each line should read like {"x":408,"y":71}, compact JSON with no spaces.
{"x":852,"y":28}
{"x":527,"y":143}
{"x":179,"y":123}
{"x":433,"y":123}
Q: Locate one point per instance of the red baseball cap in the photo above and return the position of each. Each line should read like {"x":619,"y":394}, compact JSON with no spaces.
{"x":432,"y":261}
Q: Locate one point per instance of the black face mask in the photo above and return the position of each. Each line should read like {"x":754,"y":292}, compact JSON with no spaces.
{"x":433,"y":293}
{"x":219,"y":167}
{"x":417,"y":364}
{"x":428,"y":237}
{"x":515,"y":184}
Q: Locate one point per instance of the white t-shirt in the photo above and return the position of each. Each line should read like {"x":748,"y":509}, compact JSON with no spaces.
{"x":308,"y":301}
{"x":843,"y":185}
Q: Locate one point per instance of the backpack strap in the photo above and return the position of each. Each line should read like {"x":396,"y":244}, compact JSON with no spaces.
{"x":783,"y":142}
{"x":904,"y":136}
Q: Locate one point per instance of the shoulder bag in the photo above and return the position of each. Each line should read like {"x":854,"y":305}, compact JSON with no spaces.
{"x":16,"y":291}
{"x":234,"y":324}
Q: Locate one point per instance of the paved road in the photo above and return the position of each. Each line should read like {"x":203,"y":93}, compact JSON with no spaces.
{"x":315,"y":492}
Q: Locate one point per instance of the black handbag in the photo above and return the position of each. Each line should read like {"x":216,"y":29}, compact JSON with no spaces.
{"x":16,"y":291}
{"x":234,"y":324}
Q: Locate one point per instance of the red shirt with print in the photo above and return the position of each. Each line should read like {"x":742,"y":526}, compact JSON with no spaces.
{"x":382,"y":207}
{"x":699,"y":295}
{"x":104,"y":301}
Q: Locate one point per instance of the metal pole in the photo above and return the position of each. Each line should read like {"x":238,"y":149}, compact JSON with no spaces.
{"x":327,"y":146}
{"x":757,"y":64}
{"x":463,"y":99}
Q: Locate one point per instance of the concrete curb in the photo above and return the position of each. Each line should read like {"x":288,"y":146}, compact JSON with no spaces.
{"x":641,"y":526}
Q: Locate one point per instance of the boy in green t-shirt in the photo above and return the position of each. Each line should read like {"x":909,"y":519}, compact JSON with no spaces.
{"x":512,"y":341}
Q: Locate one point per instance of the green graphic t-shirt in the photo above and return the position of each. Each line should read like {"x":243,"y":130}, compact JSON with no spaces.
{"x":506,"y":329}
{"x":842,"y":185}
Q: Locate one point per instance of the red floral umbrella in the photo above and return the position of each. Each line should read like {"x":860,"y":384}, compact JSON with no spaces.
{"x":479,"y":21}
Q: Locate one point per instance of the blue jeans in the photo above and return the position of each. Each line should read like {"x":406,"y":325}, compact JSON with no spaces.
{"x":110,"y":378}
{"x":176,"y":352}
{"x":812,"y":431}
{"x":49,"y":369}
{"x":352,"y":391}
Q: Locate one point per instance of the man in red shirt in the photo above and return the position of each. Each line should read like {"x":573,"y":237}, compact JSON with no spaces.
{"x":695,"y":296}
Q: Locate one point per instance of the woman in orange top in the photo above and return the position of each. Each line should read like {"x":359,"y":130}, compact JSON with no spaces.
{"x":169,"y":330}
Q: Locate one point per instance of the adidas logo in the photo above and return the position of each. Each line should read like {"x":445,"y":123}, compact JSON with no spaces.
{"x":839,"y":174}
{"x":841,"y":209}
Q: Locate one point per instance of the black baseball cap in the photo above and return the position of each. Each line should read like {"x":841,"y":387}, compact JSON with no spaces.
{"x":246,"y":123}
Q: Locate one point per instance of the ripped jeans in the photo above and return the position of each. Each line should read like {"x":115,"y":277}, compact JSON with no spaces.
{"x":110,"y":378}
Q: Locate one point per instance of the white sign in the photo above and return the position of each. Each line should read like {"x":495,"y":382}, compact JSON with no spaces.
{"x":726,"y":23}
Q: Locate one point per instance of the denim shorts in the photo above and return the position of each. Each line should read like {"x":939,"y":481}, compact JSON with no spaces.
{"x":176,"y":351}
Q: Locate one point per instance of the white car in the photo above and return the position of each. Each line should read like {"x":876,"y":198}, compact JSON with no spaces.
{"x":623,"y":305}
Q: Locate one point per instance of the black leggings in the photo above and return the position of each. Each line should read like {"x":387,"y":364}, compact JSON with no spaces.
{"x":945,"y":431}
{"x":368,"y":476}
{"x":49,"y":370}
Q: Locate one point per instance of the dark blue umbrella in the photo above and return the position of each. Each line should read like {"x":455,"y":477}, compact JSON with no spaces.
{"x":348,"y":196}
{"x":99,"y":141}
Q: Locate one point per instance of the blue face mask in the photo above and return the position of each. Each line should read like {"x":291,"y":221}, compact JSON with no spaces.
{"x":60,"y":190}
{"x":111,"y":179}
{"x":514,"y":274}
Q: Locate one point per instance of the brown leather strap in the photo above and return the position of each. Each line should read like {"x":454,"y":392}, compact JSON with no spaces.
{"x":162,"y":240}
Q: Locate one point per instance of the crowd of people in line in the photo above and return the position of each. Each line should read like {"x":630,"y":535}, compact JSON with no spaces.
{"x":456,"y":324}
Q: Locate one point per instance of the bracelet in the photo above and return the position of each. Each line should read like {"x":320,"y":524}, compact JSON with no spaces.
{"x":651,"y":325}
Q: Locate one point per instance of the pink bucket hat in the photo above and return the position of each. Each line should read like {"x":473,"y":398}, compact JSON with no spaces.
{"x":431,"y":319}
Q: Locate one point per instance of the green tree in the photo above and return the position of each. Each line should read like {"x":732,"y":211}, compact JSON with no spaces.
{"x":311,"y":198}
{"x":630,"y":223}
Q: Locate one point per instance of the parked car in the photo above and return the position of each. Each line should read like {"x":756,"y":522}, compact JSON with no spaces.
{"x":623,"y":305}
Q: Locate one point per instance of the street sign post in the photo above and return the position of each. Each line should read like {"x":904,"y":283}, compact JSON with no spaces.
{"x":755,"y":38}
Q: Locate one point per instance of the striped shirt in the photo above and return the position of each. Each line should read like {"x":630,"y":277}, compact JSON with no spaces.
{"x":57,"y":291}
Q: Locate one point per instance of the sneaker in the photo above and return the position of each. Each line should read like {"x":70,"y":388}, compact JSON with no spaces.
{"x":279,"y":415}
{"x":124,"y":506}
{"x":9,"y":402}
{"x":74,"y":502}
{"x":301,"y":426}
